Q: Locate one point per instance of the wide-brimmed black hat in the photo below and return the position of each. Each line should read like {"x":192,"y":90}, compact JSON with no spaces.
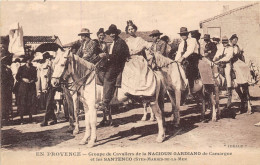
{"x":195,"y":33}
{"x":206,"y":37}
{"x":101,"y":30}
{"x":155,"y":33}
{"x":113,"y":29}
{"x":46,"y":55}
{"x":233,"y":36}
{"x":216,"y":39}
{"x":183,"y":30}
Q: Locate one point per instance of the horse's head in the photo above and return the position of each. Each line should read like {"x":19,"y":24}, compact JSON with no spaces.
{"x":61,"y":67}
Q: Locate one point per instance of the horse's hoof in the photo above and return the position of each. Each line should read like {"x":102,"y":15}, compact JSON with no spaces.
{"x":70,"y":129}
{"x":214,"y":120}
{"x":249,"y":112}
{"x":82,"y":142}
{"x":160,"y":139}
{"x":152,"y":119}
{"x":90,"y":145}
{"x":176,"y":125}
{"x":103,"y":123}
{"x":75,"y":132}
{"x":143,"y":118}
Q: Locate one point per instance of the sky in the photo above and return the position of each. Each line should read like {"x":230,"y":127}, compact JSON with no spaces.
{"x":65,"y":19}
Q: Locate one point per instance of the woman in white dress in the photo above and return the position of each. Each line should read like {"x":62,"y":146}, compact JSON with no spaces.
{"x":137,"y":77}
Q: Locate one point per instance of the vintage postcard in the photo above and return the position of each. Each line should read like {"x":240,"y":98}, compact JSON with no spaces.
{"x":130,"y":82}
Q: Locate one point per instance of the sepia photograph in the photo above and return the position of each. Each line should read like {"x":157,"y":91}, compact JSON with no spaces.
{"x":130,"y":82}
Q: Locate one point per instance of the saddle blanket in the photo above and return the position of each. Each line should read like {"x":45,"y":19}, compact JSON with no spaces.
{"x":206,"y":71}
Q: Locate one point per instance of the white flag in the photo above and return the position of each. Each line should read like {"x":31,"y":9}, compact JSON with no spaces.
{"x":16,"y":40}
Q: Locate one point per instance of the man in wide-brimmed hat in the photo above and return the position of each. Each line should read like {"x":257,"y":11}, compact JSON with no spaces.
{"x":118,"y":53}
{"x":88,"y":47}
{"x":210,"y":48}
{"x":188,"y":51}
{"x":158,"y":44}
{"x":223,"y":57}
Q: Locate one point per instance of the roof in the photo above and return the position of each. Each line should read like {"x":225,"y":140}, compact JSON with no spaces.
{"x":229,"y":12}
{"x":123,"y":35}
{"x":40,"y":39}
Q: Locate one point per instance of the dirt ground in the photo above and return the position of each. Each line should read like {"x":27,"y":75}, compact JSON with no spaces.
{"x":128,"y":132}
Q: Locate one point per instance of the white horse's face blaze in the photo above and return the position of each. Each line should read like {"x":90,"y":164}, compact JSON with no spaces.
{"x":59,"y":66}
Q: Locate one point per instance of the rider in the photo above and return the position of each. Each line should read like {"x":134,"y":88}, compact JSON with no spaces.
{"x":188,"y":52}
{"x":242,"y":72}
{"x":158,"y":45}
{"x":88,"y":48}
{"x":210,"y":47}
{"x":102,"y":48}
{"x":223,"y":57}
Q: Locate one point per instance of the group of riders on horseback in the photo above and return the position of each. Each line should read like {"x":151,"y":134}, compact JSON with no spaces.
{"x":140,"y":70}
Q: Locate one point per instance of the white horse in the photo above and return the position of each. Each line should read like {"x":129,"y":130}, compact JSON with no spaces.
{"x":173,"y":77}
{"x":83,"y":74}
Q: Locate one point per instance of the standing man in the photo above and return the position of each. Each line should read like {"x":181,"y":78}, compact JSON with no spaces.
{"x":210,"y":47}
{"x":118,"y":53}
{"x":158,"y":44}
{"x":7,"y":82}
{"x":188,"y":55}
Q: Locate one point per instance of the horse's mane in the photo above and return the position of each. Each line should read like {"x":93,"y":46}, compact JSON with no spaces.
{"x":162,"y":61}
{"x":81,"y":67}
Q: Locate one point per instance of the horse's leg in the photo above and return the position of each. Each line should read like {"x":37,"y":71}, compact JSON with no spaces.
{"x":202,"y":95}
{"x":176,"y":111}
{"x":88,"y":127}
{"x":159,"y":117}
{"x":242,"y":97}
{"x":144,"y":118}
{"x":152,"y":116}
{"x":216,"y":90}
{"x":75,"y":98}
{"x":93,"y":124}
{"x":70,"y":109}
{"x":247,"y":98}
{"x":213,"y":104}
{"x":172,"y":99}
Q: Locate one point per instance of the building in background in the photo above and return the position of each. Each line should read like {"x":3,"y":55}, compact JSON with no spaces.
{"x":243,"y":21}
{"x":32,"y":42}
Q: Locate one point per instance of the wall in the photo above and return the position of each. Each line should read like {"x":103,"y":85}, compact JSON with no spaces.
{"x":246,"y":24}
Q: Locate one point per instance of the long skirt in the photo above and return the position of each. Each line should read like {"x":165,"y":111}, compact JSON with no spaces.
{"x":138,"y":78}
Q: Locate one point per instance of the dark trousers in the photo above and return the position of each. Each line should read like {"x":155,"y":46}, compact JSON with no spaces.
{"x":110,"y":79}
{"x":26,"y":99}
{"x":50,"y":105}
{"x":192,"y":70}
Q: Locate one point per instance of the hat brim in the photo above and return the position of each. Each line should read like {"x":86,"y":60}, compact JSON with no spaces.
{"x":81,"y":34}
{"x":206,"y":38}
{"x":155,"y":34}
{"x":184,"y":33}
{"x":108,"y":32}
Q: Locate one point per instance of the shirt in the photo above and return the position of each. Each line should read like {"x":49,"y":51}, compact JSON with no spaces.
{"x":224,"y":54}
{"x":192,"y":47}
